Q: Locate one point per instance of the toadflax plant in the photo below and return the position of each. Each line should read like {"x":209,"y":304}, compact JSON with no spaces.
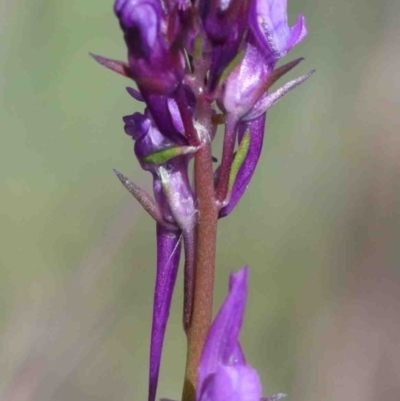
{"x":198,"y":65}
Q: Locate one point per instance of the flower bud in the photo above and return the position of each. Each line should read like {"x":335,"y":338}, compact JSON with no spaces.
{"x":155,"y":65}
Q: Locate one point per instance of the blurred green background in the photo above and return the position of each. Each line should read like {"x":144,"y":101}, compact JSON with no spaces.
{"x":319,"y":225}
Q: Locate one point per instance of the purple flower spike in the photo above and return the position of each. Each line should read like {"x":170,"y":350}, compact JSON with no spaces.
{"x":168,"y":255}
{"x":269,"y":23}
{"x":256,"y":128}
{"x":199,"y":64}
{"x":223,"y":372}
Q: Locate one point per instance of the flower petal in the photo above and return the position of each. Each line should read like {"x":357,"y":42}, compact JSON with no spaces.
{"x":233,"y":383}
{"x":159,"y":110}
{"x":269,"y":23}
{"x":136,"y":125}
{"x":244,"y":81}
{"x":222,"y":344}
{"x":178,"y":192}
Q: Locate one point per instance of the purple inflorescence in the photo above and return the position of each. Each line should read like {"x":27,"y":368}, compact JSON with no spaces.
{"x":197,"y":65}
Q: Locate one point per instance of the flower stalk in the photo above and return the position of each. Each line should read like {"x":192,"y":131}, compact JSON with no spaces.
{"x":204,"y":268}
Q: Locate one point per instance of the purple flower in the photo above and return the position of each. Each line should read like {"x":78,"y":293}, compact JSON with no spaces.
{"x":175,"y":212}
{"x":220,"y":18}
{"x":223,"y":371}
{"x":156,"y":65}
{"x":270,"y":38}
{"x":255,"y":127}
{"x":245,"y":92}
{"x":269,"y":23}
{"x":242,"y":88}
{"x":225,"y":23}
{"x":169,"y":165}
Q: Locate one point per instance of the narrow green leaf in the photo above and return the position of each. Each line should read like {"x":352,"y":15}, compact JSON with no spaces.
{"x":240,"y":156}
{"x":162,"y":156}
{"x":231,"y":66}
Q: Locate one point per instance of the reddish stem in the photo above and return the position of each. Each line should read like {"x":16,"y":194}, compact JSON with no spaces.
{"x":204,"y":272}
{"x":186,"y":116}
{"x":206,"y":236}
